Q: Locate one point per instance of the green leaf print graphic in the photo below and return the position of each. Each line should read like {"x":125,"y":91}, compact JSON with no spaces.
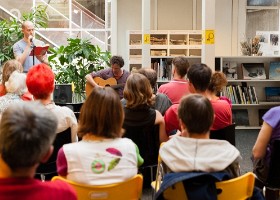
{"x":113,"y":163}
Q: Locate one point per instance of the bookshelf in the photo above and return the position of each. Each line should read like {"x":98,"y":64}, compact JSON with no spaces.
{"x":165,"y":44}
{"x":253,"y":110}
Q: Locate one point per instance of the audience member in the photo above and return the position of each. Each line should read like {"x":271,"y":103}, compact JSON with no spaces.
{"x":217,"y":83}
{"x":199,"y":76}
{"x":27,"y":131}
{"x":23,"y":47}
{"x":103,"y":157}
{"x":40,"y":83}
{"x":115,"y":71}
{"x":8,"y":68}
{"x":263,"y":147}
{"x":15,"y":88}
{"x":193,"y":150}
{"x":161,"y":101}
{"x":179,"y":86}
{"x":138,"y":112}
{"x":143,"y":124}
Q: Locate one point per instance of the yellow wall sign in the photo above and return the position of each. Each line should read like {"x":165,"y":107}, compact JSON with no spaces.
{"x":208,"y":37}
{"x":147,"y":39}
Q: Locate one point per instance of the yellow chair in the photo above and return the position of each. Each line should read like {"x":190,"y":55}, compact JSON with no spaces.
{"x":238,"y":188}
{"x":130,"y":189}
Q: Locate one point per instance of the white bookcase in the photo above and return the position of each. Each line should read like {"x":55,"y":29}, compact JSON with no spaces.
{"x":253,"y":109}
{"x":164,"y":44}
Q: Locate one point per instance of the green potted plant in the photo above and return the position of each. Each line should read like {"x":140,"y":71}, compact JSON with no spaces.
{"x":73,"y":62}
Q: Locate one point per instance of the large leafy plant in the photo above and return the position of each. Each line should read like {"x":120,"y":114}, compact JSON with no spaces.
{"x":73,"y":62}
{"x":10,"y":30}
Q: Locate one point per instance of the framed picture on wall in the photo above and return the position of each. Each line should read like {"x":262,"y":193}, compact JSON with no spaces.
{"x":253,"y":71}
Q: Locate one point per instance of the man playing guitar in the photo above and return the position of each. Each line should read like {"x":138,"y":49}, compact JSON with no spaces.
{"x":115,"y":71}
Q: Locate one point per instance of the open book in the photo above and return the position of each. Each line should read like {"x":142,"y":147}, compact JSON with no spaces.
{"x":39,"y":50}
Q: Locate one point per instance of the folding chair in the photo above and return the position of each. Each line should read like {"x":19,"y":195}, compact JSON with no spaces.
{"x":130,"y":189}
{"x":226,"y":133}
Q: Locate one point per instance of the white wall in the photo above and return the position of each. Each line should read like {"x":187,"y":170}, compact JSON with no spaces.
{"x":174,"y":15}
{"x":177,"y":14}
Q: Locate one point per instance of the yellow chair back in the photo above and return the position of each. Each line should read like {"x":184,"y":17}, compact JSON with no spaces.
{"x":238,"y":188}
{"x":130,"y":189}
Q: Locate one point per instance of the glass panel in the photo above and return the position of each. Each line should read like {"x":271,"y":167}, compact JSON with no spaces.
{"x":96,"y":38}
{"x":109,"y":15}
{"x":262,"y":2}
{"x":261,"y":20}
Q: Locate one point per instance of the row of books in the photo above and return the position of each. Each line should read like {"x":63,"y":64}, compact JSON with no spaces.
{"x":251,"y":70}
{"x":241,"y":94}
{"x":163,"y":69}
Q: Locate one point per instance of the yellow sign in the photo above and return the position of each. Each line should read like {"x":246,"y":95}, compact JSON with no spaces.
{"x":147,"y":39}
{"x":208,"y":37}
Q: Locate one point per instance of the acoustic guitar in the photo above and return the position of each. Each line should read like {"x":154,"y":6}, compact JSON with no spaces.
{"x":110,"y":82}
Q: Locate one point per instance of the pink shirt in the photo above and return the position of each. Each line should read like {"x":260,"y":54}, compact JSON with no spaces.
{"x":223,"y":114}
{"x":222,"y":111}
{"x":175,"y":89}
{"x":28,"y":188}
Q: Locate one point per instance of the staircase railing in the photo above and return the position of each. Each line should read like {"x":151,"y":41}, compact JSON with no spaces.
{"x":80,"y":22}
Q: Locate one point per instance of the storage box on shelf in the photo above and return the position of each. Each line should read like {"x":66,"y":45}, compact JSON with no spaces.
{"x":164,"y":44}
{"x":247,"y":93}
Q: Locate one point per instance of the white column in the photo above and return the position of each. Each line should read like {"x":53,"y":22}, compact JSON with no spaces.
{"x":208,"y":35}
{"x":70,"y":18}
{"x":114,"y":27}
{"x":146,"y":46}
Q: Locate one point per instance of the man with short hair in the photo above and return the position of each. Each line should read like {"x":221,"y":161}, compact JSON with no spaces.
{"x":23,"y":47}
{"x":115,"y":71}
{"x":27,"y":131}
{"x":199,"y":76}
{"x":179,"y":86}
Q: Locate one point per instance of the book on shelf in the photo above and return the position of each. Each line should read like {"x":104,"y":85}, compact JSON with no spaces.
{"x":274,"y":71}
{"x":163,"y":69}
{"x":230,"y":69}
{"x":253,"y":71}
{"x":272,"y":94}
{"x":241,"y":94}
{"x":39,"y":50}
{"x":240,"y":117}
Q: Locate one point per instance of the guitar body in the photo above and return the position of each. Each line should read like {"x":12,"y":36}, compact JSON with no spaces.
{"x":111,"y":82}
{"x":104,"y":83}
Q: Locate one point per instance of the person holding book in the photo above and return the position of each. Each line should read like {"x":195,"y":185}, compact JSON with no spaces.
{"x":23,"y":48}
{"x":115,"y":72}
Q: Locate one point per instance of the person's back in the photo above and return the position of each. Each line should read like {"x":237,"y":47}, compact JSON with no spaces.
{"x":162,"y":102}
{"x":27,"y":133}
{"x":199,"y":76}
{"x":193,"y":150}
{"x":103,"y":157}
{"x":179,"y":86}
{"x":223,"y":114}
{"x":26,"y":189}
{"x":40,"y":83}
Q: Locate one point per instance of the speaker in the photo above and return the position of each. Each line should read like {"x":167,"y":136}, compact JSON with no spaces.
{"x":62,"y":93}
